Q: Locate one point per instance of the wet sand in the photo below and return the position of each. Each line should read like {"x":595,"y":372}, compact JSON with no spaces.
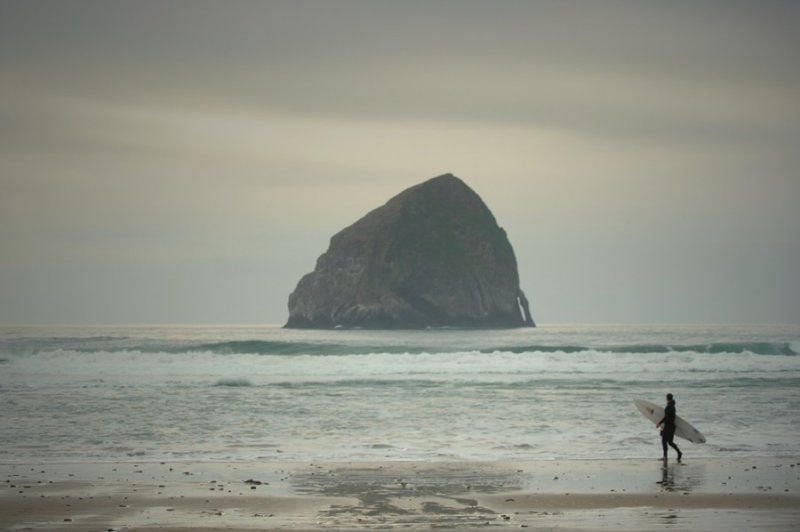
{"x":700,"y":494}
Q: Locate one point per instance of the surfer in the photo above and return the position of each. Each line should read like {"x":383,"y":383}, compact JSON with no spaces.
{"x":668,"y":431}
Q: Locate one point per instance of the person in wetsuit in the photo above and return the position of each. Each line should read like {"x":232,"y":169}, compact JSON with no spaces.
{"x":668,"y":431}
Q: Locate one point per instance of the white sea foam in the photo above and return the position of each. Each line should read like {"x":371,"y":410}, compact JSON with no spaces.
{"x":458,"y":366}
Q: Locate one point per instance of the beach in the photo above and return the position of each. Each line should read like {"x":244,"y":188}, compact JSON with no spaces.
{"x":633,"y":494}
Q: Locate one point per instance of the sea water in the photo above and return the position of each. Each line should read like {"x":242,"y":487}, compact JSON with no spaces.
{"x":271,"y":394}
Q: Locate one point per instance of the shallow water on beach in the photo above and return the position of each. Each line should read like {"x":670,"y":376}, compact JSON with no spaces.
{"x":265,"y":393}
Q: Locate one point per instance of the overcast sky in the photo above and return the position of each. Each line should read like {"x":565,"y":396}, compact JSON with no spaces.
{"x":187,"y":162}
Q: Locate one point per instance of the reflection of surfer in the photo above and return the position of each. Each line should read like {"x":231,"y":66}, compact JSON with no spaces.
{"x":668,"y":432}
{"x":667,"y":478}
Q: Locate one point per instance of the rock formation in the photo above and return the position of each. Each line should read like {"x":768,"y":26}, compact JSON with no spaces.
{"x":432,"y":256}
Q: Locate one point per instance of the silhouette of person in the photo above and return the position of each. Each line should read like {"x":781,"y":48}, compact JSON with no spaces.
{"x":668,"y":430}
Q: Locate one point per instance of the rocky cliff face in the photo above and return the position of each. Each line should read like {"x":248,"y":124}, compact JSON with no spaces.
{"x":432,"y":256}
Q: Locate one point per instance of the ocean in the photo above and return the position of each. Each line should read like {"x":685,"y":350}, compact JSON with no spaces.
{"x":263,"y":393}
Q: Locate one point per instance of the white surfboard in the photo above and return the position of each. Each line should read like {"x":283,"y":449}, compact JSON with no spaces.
{"x":683,"y":428}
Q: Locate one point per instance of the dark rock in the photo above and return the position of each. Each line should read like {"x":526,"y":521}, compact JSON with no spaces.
{"x":432,"y":256}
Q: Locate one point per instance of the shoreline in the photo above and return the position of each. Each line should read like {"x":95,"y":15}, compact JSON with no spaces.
{"x":618,"y":494}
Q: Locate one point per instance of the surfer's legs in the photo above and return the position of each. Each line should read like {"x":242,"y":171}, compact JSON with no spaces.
{"x":680,"y":454}
{"x":666,"y":439}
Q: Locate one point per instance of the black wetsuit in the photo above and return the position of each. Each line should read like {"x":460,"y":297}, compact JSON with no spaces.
{"x":668,"y":429}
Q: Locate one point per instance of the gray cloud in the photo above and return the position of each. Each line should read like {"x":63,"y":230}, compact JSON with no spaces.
{"x":630,"y":147}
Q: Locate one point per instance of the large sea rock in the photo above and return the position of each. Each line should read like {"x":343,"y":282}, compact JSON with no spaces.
{"x":432,"y":256}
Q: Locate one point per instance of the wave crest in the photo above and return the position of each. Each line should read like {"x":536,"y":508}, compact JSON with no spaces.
{"x":236,"y":383}
{"x":259,"y":347}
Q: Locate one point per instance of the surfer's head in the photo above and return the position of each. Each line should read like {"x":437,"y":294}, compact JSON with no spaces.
{"x":669,"y":397}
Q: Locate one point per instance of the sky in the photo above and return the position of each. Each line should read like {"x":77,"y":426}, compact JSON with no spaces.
{"x":188,"y":161}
